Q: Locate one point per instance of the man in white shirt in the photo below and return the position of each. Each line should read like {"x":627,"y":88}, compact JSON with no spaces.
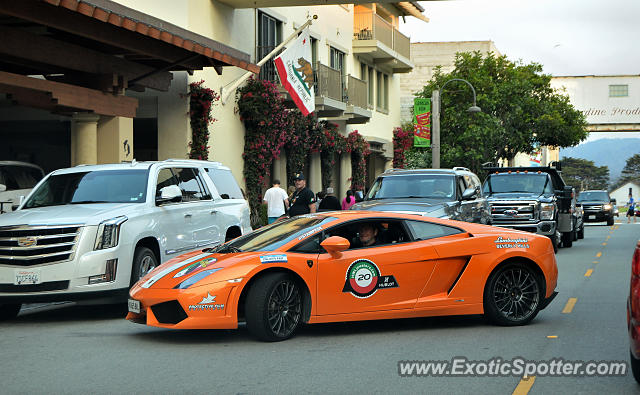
{"x":277,"y":201}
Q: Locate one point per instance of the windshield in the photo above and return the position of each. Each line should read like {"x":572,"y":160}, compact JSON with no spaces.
{"x":597,"y":196}
{"x":107,"y":186}
{"x":429,"y":186}
{"x":271,"y":237}
{"x":530,"y":183}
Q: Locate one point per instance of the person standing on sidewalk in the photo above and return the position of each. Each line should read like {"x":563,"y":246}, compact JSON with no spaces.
{"x":303,"y":199}
{"x":277,"y":201}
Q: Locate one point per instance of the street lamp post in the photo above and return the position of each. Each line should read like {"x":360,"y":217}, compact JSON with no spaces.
{"x":435,"y":120}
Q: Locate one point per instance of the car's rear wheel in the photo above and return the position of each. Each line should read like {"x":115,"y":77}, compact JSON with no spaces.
{"x":512,"y":295}
{"x":144,"y":261}
{"x":273,"y":309}
{"x":635,"y":367}
{"x":9,"y":311}
{"x":581,"y":232}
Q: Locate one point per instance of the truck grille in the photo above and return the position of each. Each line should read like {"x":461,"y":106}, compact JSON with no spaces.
{"x":36,"y":245}
{"x":510,"y":212}
{"x":598,"y":207}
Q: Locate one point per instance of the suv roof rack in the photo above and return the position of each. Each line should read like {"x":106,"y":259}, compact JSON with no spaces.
{"x":461,"y":168}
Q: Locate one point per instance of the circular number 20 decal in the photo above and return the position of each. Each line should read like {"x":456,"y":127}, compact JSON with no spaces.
{"x":362,"y":278}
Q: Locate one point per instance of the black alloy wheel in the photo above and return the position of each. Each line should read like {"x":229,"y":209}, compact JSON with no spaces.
{"x":274,"y":307}
{"x":512,"y":295}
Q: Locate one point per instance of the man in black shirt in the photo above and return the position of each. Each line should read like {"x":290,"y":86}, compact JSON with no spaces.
{"x":330,"y":202}
{"x":302,"y":200}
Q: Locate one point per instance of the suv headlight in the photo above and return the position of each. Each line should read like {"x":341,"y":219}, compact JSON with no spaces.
{"x":607,"y":207}
{"x":108,"y":233}
{"x":547,"y":210}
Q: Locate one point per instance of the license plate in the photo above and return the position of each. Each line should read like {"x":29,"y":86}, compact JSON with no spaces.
{"x":592,"y":217}
{"x":134,"y":306}
{"x":27,"y":277}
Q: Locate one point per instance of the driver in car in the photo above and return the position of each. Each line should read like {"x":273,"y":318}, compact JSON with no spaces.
{"x":367,"y":235}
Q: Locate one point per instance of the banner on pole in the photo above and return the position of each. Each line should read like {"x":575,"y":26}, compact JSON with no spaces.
{"x":422,"y":122}
{"x":296,"y":72}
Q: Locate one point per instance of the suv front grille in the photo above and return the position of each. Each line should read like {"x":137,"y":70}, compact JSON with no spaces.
{"x":597,"y":207}
{"x":35,"y":245}
{"x":513,"y":212}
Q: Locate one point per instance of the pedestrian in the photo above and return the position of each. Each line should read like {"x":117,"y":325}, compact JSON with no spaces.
{"x":277,"y":201}
{"x":302,"y":200}
{"x":631,"y":204}
{"x":348,"y":201}
{"x":319,"y":197}
{"x":330,"y":202}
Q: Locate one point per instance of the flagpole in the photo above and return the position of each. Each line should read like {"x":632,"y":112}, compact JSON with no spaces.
{"x":225,"y":93}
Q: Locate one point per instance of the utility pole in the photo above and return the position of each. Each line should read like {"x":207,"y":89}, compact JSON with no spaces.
{"x":435,"y":129}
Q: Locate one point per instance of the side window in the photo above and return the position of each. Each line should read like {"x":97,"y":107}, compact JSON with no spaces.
{"x":310,"y":246}
{"x":225,"y":183}
{"x":427,"y":230}
{"x":165,"y":178}
{"x":191,"y":184}
{"x":548,"y":189}
{"x":476,"y":183}
{"x":461,"y":185}
{"x":372,"y":233}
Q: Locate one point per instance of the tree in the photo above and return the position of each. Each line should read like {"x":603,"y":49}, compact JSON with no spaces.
{"x":583,"y":174}
{"x":519,"y":111}
{"x":631,"y":170}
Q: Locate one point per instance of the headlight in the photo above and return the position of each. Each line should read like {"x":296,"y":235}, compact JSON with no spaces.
{"x":108,"y":233}
{"x":195,"y":278}
{"x":607,"y":207}
{"x":547,"y":210}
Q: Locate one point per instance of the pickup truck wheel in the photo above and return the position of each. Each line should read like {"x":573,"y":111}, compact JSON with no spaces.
{"x":574,"y":235}
{"x":9,"y":311}
{"x":554,"y":242}
{"x":144,"y":260}
{"x":512,"y":295}
{"x":567,"y":240}
{"x":581,"y":232}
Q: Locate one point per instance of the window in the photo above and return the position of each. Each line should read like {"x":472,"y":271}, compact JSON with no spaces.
{"x":336,"y":60}
{"x":618,"y":90}
{"x":383,"y":232}
{"x":427,"y":230}
{"x":382,"y":97}
{"x":370,"y":86}
{"x":269,"y":36}
{"x":366,"y":75}
{"x":192,"y":186}
{"x":225,"y":183}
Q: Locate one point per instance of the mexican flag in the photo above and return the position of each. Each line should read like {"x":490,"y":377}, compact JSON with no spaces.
{"x":296,"y":72}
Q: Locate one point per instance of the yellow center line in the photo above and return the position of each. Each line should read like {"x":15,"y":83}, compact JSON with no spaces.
{"x":595,"y":261}
{"x":552,"y":337}
{"x":588,"y":273}
{"x":604,"y":244}
{"x":524,"y":386}
{"x":569,"y":306}
{"x":599,"y":254}
{"x":608,"y":237}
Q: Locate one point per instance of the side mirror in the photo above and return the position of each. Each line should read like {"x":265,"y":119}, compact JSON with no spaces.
{"x":469,"y":193}
{"x":335,"y":245}
{"x":3,"y":187}
{"x":613,"y":201}
{"x":171,"y":193}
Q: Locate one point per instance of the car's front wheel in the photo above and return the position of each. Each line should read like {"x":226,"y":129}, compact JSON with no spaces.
{"x":144,"y":261}
{"x":9,"y":311}
{"x":610,"y":221}
{"x":635,"y":367}
{"x":567,"y":239}
{"x":273,"y":309}
{"x":512,"y":295}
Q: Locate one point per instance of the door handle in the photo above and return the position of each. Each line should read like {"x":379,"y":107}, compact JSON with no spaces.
{"x":187,"y":215}
{"x":213,"y":211}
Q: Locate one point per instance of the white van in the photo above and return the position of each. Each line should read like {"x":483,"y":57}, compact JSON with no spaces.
{"x":16,"y":181}
{"x":88,"y":233}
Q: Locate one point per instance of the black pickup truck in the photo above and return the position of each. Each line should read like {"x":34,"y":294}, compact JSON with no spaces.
{"x":534,"y":199}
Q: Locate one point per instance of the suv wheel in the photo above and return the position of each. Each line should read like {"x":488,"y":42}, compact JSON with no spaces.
{"x":610,"y":221}
{"x":144,"y":261}
{"x":554,"y":242}
{"x":9,"y":311}
{"x":567,"y":239}
{"x":581,"y":232}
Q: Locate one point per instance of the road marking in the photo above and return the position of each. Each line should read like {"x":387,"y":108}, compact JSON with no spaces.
{"x":608,"y":237}
{"x":599,"y":254}
{"x":595,"y":261}
{"x":524,"y":386}
{"x":604,"y":244}
{"x":588,"y":273}
{"x":552,"y":337}
{"x":569,"y":306}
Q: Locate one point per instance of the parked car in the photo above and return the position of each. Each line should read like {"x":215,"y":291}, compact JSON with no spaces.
{"x":442,"y":193}
{"x":598,"y":206}
{"x":90,"y":232}
{"x":351,"y":266}
{"x":533,"y":199}
{"x":633,"y":314}
{"x":16,"y":181}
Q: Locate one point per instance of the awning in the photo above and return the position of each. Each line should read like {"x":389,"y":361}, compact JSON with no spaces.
{"x":412,"y":8}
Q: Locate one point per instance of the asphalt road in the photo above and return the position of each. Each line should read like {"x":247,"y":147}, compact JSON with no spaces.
{"x":92,"y":349}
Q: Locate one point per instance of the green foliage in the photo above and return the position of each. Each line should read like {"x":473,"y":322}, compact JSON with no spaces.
{"x":583,"y":174}
{"x":519,"y":110}
{"x":418,"y":158}
{"x":631,"y":171}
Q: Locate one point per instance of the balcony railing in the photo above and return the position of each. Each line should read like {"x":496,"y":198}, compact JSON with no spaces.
{"x":356,"y":92}
{"x":371,"y":26}
{"x":268,"y":70}
{"x":328,"y":82}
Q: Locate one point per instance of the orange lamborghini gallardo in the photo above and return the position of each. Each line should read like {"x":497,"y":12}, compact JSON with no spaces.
{"x":350,"y":266}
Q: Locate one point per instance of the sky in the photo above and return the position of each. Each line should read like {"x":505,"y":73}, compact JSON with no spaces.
{"x":567,"y":37}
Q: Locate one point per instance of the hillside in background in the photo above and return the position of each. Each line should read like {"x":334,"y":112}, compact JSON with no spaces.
{"x":612,"y":153}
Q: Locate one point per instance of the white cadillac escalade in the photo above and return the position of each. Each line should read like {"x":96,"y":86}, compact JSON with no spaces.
{"x":88,"y":233}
